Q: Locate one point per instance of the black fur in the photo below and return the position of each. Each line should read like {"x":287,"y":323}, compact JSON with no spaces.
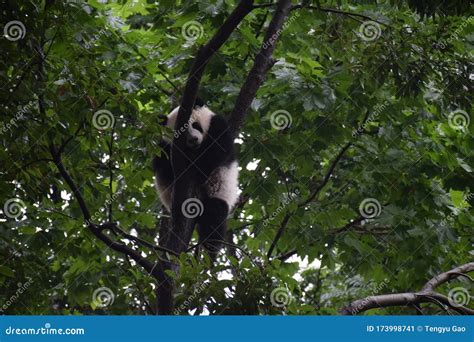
{"x":212,"y":225}
{"x":199,"y":102}
{"x":217,"y":149}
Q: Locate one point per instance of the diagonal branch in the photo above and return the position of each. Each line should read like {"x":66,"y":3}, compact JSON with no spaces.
{"x":114,"y":227}
{"x":279,"y":233}
{"x":202,"y":58}
{"x":327,"y":176}
{"x":263,"y":62}
{"x":268,"y":4}
{"x":285,"y":256}
{"x":119,"y":247}
{"x":311,"y":197}
{"x":348,"y":226}
{"x":403,"y":299}
{"x":337,"y":11}
{"x":182,"y":227}
{"x":426,"y":295}
{"x":447,"y":276}
{"x":233,"y":245}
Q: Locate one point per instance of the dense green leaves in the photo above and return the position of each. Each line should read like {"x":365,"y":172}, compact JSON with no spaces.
{"x":400,"y":93}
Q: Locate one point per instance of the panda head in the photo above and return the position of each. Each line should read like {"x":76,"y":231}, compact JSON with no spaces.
{"x":196,"y":128}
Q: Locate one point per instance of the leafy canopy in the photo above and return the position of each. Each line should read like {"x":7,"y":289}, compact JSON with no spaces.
{"x":386,"y":102}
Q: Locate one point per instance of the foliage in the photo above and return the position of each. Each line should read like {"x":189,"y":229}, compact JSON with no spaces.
{"x":389,"y":100}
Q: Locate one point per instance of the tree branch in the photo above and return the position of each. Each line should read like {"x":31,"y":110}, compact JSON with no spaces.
{"x":286,"y":256}
{"x":336,"y":11}
{"x":348,"y":226}
{"x":119,"y":247}
{"x":254,"y":80}
{"x":278,"y":235}
{"x":313,"y":195}
{"x":261,"y":65}
{"x":57,"y":160}
{"x":233,"y":245}
{"x":325,"y":180}
{"x":447,"y":276}
{"x":426,"y":295}
{"x":182,"y":190}
{"x":327,"y":176}
{"x":269,"y":4}
{"x":114,"y":227}
{"x":182,"y":227}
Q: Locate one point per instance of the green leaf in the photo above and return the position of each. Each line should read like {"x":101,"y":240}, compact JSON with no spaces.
{"x":6,"y":271}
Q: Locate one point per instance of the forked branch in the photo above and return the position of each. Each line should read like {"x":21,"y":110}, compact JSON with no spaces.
{"x":426,"y":295}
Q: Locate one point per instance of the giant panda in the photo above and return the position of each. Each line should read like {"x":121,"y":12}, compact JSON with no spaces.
{"x":210,"y":146}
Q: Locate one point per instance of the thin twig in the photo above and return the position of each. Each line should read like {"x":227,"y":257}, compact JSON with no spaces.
{"x":114,"y":227}
{"x":327,"y":176}
{"x":269,"y":4}
{"x":336,"y":11}
{"x":230,"y":244}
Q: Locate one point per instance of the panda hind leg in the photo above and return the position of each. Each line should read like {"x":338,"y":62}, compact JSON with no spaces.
{"x":212,"y":225}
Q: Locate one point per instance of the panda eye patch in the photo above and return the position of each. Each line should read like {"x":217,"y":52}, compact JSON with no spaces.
{"x":197,"y":126}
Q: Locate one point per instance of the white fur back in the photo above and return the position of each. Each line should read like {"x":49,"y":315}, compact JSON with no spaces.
{"x":223,"y":183}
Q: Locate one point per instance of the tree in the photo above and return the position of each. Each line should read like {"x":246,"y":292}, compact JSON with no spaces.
{"x":353,"y":129}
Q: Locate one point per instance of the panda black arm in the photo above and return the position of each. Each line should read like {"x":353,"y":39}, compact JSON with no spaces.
{"x":218,"y":146}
